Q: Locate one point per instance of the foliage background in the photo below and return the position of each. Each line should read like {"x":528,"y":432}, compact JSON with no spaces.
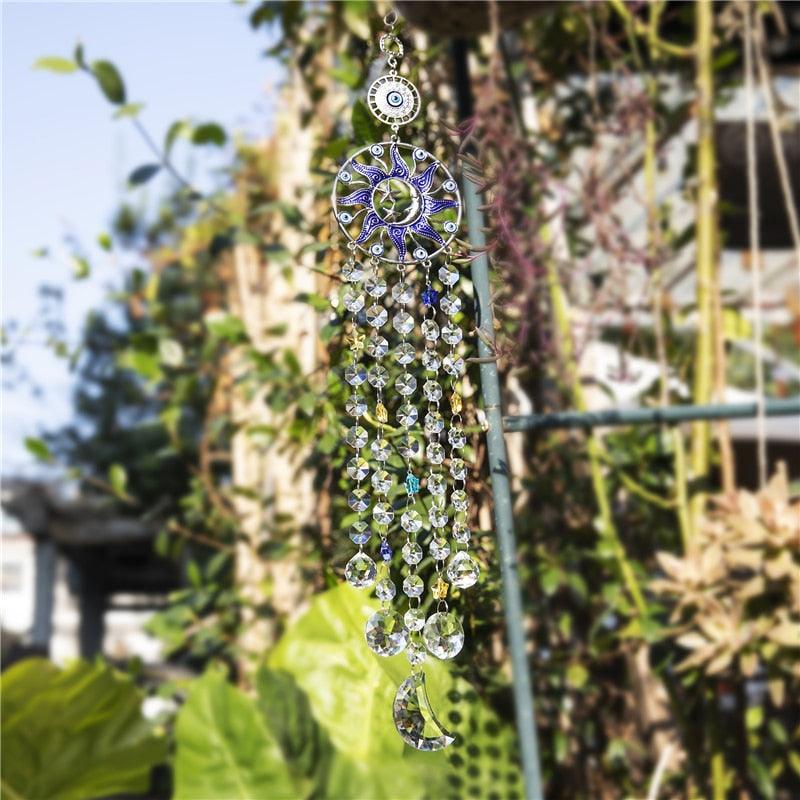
{"x":649,"y":645}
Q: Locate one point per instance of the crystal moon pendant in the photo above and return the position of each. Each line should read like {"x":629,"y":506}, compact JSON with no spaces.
{"x":414,"y":718}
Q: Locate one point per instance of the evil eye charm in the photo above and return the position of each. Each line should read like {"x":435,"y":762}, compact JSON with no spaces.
{"x":449,"y":186}
{"x":419,"y":154}
{"x":345,"y":176}
{"x":449,"y":226}
{"x":376,"y":150}
{"x":376,"y":249}
{"x":393,"y":100}
{"x":345,"y":217}
{"x":420,"y":253}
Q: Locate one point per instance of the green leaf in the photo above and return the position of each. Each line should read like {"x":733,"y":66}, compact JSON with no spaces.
{"x":143,"y":174}
{"x":224,"y":747}
{"x":110,"y":81}
{"x":55,"y":64}
{"x":118,"y":478}
{"x":307,"y":403}
{"x":74,"y":733}
{"x":356,"y":17}
{"x":105,"y":242}
{"x":78,"y":55}
{"x":577,"y":675}
{"x":81,"y":268}
{"x":128,"y":110}
{"x":171,"y":352}
{"x":38,"y":448}
{"x":365,"y":128}
{"x":754,"y":717}
{"x":178,"y":128}
{"x":351,"y":699}
{"x":209,"y":133}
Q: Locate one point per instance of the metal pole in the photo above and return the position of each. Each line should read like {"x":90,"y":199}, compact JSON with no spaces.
{"x":655,"y":416}
{"x":501,"y":492}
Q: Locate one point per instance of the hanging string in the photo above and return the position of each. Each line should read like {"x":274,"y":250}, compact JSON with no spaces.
{"x":755,"y":247}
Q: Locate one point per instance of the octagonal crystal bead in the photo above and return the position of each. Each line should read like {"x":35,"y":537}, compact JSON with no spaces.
{"x":402,"y":293}
{"x":357,"y":468}
{"x":381,"y":481}
{"x":355,"y":374}
{"x":383,"y":513}
{"x":405,"y":384}
{"x":448,"y":275}
{"x":413,"y":586}
{"x":412,"y":553}
{"x":452,"y":334}
{"x":381,"y":450}
{"x":356,"y":436}
{"x":377,"y":315}
{"x":430,"y":330}
{"x":431,"y":360}
{"x":376,"y":346}
{"x":432,"y":391}
{"x":411,"y":521}
{"x":377,"y":376}
{"x":403,"y":322}
{"x":375,"y":286}
{"x":434,"y":452}
{"x":407,"y":415}
{"x":404,"y":353}
{"x":360,"y":532}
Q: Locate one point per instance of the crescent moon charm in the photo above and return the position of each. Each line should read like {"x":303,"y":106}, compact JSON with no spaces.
{"x":414,"y":718}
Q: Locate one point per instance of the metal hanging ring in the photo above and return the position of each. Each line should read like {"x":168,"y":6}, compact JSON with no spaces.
{"x":390,"y":19}
{"x":391,"y":45}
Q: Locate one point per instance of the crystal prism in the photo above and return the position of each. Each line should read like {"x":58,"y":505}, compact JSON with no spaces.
{"x":452,"y":334}
{"x":409,"y":448}
{"x":383,"y":513}
{"x":356,"y":405}
{"x":463,"y":571}
{"x":437,"y":485}
{"x":432,"y":391}
{"x":431,"y":360}
{"x":381,"y":481}
{"x":381,"y":449}
{"x":377,"y":315}
{"x":353,"y":302}
{"x":412,"y":553}
{"x":453,"y":364}
{"x":402,"y":293}
{"x":456,"y":437}
{"x":415,"y":619}
{"x":353,"y":273}
{"x":407,"y":415}
{"x":357,"y":468}
{"x":439,"y":548}
{"x":413,"y":585}
{"x":404,"y":353}
{"x":377,"y":346}
{"x":451,"y":304}
{"x":385,"y":589}
{"x":360,"y":571}
{"x":430,"y":330}
{"x":461,"y":532}
{"x":434,"y":422}
{"x":405,"y":384}
{"x":377,"y":376}
{"x":411,"y":521}
{"x":414,"y":719}
{"x":443,"y":634}
{"x":448,"y":276}
{"x":416,"y":654}
{"x":355,"y":374}
{"x":403,"y":322}
{"x":358,"y":500}
{"x":385,"y":633}
{"x":375,"y":286}
{"x":434,"y":452}
{"x":359,"y":532}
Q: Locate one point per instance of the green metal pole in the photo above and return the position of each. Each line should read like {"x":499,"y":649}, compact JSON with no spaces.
{"x":644,"y":416}
{"x":501,"y":492}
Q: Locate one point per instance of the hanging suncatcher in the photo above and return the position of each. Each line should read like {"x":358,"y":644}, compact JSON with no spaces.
{"x":399,"y":209}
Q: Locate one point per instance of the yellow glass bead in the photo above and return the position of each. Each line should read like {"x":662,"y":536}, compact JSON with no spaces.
{"x":356,"y":340}
{"x":455,"y":403}
{"x":381,"y":414}
{"x":440,"y":589}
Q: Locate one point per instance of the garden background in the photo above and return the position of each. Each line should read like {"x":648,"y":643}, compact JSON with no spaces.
{"x":182,"y":530}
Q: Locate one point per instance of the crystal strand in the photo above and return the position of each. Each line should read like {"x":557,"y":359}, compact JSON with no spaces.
{"x":434,"y":425}
{"x":463,"y":570}
{"x":360,"y":570}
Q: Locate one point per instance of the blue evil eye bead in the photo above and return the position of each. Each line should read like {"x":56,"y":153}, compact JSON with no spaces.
{"x":450,"y":185}
{"x":420,"y":253}
{"x":345,"y":176}
{"x":345,"y":217}
{"x":430,"y":297}
{"x":376,"y":249}
{"x":450,"y":227}
{"x":386,"y":551}
{"x":420,"y":154}
{"x":376,"y":150}
{"x":394,"y":99}
{"x":412,"y":483}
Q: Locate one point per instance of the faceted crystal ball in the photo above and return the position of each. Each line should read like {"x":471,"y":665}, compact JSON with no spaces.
{"x":443,"y":635}
{"x":463,"y":570}
{"x":360,"y":571}
{"x":385,"y":633}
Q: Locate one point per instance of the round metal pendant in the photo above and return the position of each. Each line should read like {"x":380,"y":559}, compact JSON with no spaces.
{"x":396,"y":202}
{"x":393,"y":100}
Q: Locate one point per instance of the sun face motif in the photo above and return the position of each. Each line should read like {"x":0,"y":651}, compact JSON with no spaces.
{"x":402,"y":208}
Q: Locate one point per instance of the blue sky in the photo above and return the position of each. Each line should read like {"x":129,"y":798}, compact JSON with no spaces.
{"x":65,"y":161}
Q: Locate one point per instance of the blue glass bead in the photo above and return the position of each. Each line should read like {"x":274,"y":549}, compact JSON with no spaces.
{"x":430,"y":297}
{"x":386,"y":551}
{"x":412,"y":483}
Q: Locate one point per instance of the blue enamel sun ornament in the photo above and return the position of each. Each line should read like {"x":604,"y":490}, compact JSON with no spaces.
{"x":394,"y":211}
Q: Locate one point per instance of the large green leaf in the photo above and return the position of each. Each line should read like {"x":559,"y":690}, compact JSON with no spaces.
{"x":74,"y":733}
{"x":350,"y":691}
{"x":224,"y":748}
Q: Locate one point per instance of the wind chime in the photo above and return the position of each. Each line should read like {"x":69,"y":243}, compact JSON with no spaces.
{"x":399,"y":209}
